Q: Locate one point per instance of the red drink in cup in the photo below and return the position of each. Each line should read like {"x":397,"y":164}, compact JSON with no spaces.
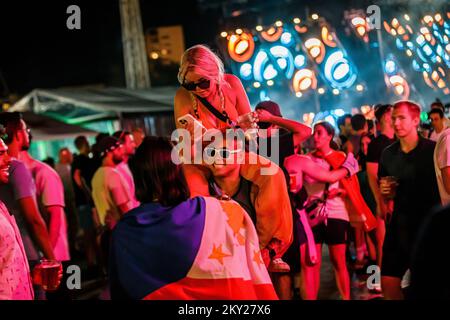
{"x":293,"y":182}
{"x":46,"y":274}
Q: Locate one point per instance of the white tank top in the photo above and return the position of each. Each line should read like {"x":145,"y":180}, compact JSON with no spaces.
{"x":336,"y":206}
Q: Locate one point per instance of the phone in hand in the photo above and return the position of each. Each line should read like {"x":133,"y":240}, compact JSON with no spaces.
{"x":190,"y":123}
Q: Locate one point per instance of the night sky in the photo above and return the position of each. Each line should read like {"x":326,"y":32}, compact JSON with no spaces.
{"x":38,"y":51}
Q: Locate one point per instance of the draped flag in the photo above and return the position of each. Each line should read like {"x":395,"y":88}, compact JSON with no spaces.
{"x":201,"y":249}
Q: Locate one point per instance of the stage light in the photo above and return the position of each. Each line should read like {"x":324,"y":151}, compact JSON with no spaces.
{"x":297,"y":20}
{"x":399,"y":44}
{"x":390,"y":67}
{"x":245,"y":71}
{"x":241,"y":47}
{"x":270,"y":83}
{"x":339,"y":112}
{"x":393,"y":32}
{"x":256,"y":84}
{"x":315,"y":49}
{"x":308,"y":118}
{"x":415,"y":65}
{"x":327,"y":38}
{"x":270,"y":72}
{"x":315,"y":16}
{"x":259,"y":28}
{"x":154,"y":55}
{"x":321,"y":90}
{"x":400,"y":85}
{"x":303,"y":80}
{"x":224,"y":34}
{"x":239,"y":31}
{"x":338,"y":71}
{"x":359,"y":87}
{"x":272,"y":34}
{"x":438,"y":17}
{"x":427,"y":67}
{"x":286,"y":38}
{"x":259,"y":65}
{"x":286,"y":55}
{"x":406,"y":17}
{"x":298,"y":94}
{"x":278,"y":23}
{"x":428,"y":19}
{"x":409,"y":53}
{"x":300,"y":61}
{"x":335,"y":92}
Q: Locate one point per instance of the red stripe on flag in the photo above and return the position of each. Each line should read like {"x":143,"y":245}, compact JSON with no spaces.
{"x":214,"y":289}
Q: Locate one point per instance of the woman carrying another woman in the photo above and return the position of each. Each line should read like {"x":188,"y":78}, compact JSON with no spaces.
{"x":313,"y":172}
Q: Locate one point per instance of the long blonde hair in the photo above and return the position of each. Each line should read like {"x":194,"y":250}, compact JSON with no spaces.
{"x":201,"y":60}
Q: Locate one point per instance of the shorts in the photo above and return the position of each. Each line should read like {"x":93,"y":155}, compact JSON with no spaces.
{"x":396,"y":258}
{"x":334,"y":232}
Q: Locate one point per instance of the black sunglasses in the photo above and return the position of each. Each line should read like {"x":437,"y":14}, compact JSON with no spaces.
{"x":202,"y":84}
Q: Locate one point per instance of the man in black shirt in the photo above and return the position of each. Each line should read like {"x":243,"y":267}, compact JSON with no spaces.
{"x":414,"y":193}
{"x":383,"y":114}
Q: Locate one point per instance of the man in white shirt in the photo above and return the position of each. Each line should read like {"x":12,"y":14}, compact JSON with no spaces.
{"x":129,"y":146}
{"x":442,"y":165}
{"x":15,"y":280}
{"x":110,"y":191}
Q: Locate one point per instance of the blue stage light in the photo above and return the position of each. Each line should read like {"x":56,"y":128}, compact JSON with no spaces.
{"x":416,"y":65}
{"x":280,"y":52}
{"x":427,"y":67}
{"x":286,"y":38}
{"x":338,"y":70}
{"x":300,"y":61}
{"x":390,"y":67}
{"x":259,"y":65}
{"x":410,"y":45}
{"x":427,"y":49}
{"x":282,"y":63}
{"x":245,"y":71}
{"x":399,"y":44}
{"x":270,"y":72}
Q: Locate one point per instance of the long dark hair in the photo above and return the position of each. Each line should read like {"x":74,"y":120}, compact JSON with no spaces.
{"x":156,"y":177}
{"x":330,"y":130}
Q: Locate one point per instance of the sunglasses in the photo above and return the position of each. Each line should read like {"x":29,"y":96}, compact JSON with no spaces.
{"x":223,"y":153}
{"x":191,"y":86}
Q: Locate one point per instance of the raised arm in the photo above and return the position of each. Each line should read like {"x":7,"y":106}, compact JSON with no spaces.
{"x":300,"y":131}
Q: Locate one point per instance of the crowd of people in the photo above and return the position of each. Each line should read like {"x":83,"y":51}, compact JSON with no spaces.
{"x":159,"y":227}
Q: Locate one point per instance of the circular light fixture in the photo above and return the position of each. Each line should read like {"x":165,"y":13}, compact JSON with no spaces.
{"x":359,"y":87}
{"x":256,"y":84}
{"x":298,"y":94}
{"x":259,"y":28}
{"x":297,"y":20}
{"x":223,"y":34}
{"x":335,"y":92}
{"x":154,"y":55}
{"x":278,"y":23}
{"x":315,"y":16}
{"x":241,"y":47}
{"x":321,"y":90}
{"x":239,"y":31}
{"x":270,"y":83}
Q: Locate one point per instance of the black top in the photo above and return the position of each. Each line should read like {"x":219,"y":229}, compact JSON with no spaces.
{"x":417,"y":192}
{"x":376,"y":147}
{"x":87,"y":169}
{"x":242,"y":196}
{"x":285,"y":149}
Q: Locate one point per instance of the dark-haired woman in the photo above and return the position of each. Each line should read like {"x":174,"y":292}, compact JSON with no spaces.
{"x":173,"y":247}
{"x":316,"y":177}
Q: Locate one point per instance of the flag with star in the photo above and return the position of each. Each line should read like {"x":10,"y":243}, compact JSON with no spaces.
{"x":203,"y":248}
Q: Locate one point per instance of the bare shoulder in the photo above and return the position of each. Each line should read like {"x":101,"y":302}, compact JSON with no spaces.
{"x":181,"y":95}
{"x":232,"y":80}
